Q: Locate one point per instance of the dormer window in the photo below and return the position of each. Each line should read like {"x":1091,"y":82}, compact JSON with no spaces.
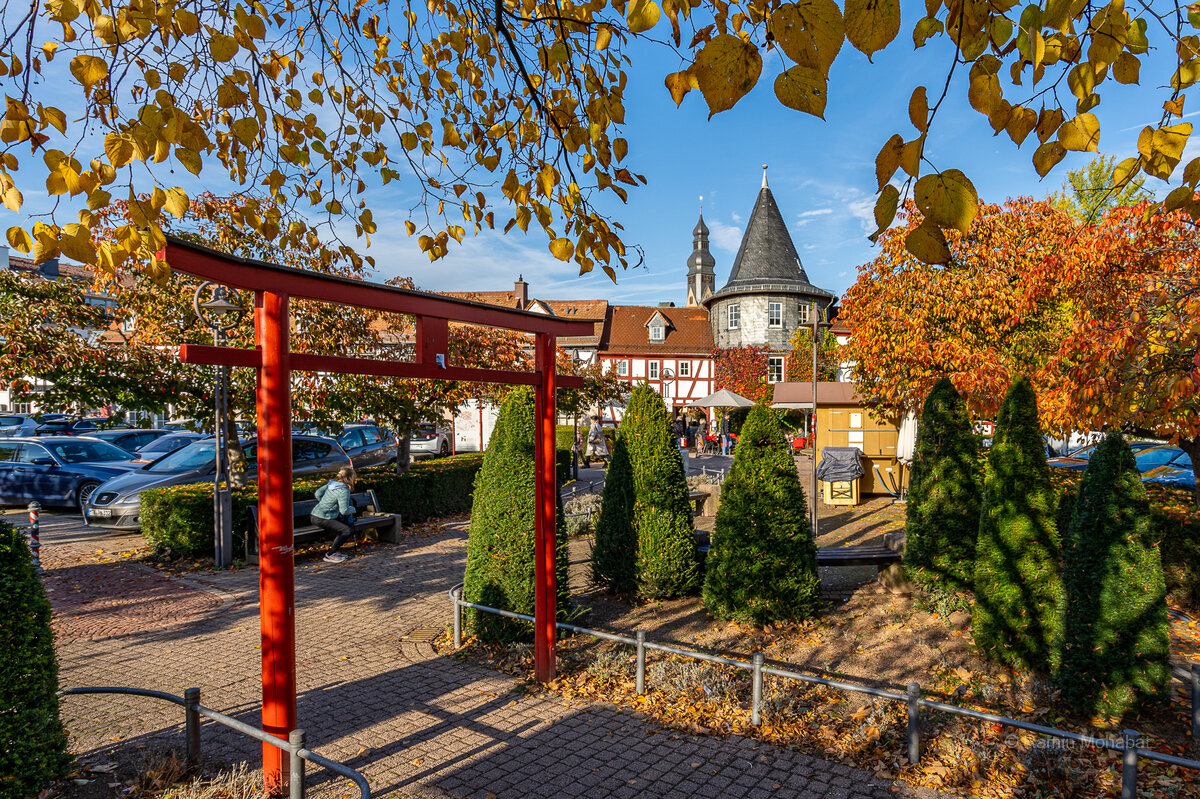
{"x":657,"y":333}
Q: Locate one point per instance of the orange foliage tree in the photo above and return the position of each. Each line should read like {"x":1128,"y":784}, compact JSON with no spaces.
{"x":743,"y":370}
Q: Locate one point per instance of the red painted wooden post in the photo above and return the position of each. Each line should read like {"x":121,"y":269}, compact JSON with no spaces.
{"x":545,"y":540}
{"x":276,"y":565}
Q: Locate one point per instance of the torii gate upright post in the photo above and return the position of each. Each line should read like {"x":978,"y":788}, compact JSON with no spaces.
{"x":545,"y":600}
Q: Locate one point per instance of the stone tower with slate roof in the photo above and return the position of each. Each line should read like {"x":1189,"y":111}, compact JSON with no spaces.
{"x":768,"y":294}
{"x":702,"y":276}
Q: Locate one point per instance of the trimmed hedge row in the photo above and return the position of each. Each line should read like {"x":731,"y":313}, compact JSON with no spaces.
{"x":179,"y":520}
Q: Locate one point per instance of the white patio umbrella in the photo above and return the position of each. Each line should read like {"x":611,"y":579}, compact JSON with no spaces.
{"x":906,"y":441}
{"x":722,"y":399}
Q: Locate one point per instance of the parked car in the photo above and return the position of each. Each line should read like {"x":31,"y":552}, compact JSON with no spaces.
{"x":160,"y":446}
{"x":429,"y":440}
{"x":17,"y":424}
{"x":66,"y":426}
{"x":1174,"y":476}
{"x":1078,"y":460}
{"x":1156,"y":457}
{"x":367,"y":445}
{"x":117,"y":503}
{"x":130,"y":440}
{"x":57,"y":470}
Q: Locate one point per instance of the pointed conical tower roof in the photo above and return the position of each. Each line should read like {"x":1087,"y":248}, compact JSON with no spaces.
{"x":701,"y":260}
{"x":767,"y":259}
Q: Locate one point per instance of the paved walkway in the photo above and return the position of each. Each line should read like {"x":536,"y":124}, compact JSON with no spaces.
{"x":372,"y":693}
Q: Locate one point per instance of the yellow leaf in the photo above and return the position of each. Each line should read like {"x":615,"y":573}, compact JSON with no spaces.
{"x":984,"y":93}
{"x":678,"y":84}
{"x":189,"y":158}
{"x":927,"y":244}
{"x":75,"y":242}
{"x":62,"y":10}
{"x":642,"y":15}
{"x":245,"y":129}
{"x":885,"y":209}
{"x":872,"y":24}
{"x":222,"y":47}
{"x":18,"y":239}
{"x":12,"y":198}
{"x":918,"y":109}
{"x":1020,"y":123}
{"x":910,"y":156}
{"x":804,"y":89}
{"x":1080,"y":133}
{"x":947,"y":199}
{"x":547,"y":179}
{"x":603,"y":37}
{"x":562,"y":249}
{"x":1123,"y":171}
{"x":1178,"y":198}
{"x":1047,"y":156}
{"x":118,"y":149}
{"x":1127,"y":68}
{"x":726,"y":69}
{"x":88,"y":69}
{"x":1175,"y":107}
{"x":1048,"y":122}
{"x":888,"y":159}
{"x":810,"y":32}
{"x":176,"y":202}
{"x":1166,"y":148}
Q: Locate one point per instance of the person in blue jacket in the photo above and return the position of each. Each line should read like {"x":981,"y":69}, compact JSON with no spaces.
{"x":335,"y":512}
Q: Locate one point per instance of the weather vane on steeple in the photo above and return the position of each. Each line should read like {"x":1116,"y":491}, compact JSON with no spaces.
{"x":702,"y":205}
{"x":764,"y":185}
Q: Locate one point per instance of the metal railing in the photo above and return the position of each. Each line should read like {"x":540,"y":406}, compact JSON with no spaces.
{"x":193,"y":711}
{"x":1127,"y":745}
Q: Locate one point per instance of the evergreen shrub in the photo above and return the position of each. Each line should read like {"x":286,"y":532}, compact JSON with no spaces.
{"x":1019,"y":597}
{"x":762,"y":562}
{"x":1115,"y":653}
{"x":33,"y":744}
{"x":500,"y":549}
{"x":614,"y":556}
{"x":943,"y":495}
{"x":666,"y":562}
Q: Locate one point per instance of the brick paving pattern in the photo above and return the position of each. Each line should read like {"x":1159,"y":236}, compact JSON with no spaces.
{"x":374,"y":695}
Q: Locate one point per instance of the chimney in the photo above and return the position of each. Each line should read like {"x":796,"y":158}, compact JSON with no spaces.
{"x":521,"y":292}
{"x":49,"y":269}
{"x":3,"y":258}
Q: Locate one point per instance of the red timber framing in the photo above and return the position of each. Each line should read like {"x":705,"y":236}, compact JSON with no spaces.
{"x":273,"y":286}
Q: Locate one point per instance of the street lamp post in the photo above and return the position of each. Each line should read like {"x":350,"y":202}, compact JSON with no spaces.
{"x":219,"y":314}
{"x":815,"y":316}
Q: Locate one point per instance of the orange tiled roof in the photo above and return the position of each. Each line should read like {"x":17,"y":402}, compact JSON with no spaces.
{"x":688,"y":332}
{"x":49,"y":269}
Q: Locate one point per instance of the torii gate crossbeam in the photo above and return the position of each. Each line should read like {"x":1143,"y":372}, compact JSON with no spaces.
{"x":273,"y":287}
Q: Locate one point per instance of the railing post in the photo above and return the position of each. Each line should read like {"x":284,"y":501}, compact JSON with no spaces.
{"x":191,"y":701}
{"x":296,"y":765}
{"x":756,"y":691}
{"x":35,"y":541}
{"x":641,"y":661}
{"x":456,"y":597}
{"x":914,"y":722}
{"x":1129,"y":765}
{"x":1196,"y":705}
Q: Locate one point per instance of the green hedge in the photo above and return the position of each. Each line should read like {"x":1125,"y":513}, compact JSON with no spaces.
{"x":178,"y":520}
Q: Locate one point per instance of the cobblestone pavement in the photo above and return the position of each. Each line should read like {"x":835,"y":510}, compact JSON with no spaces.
{"x":373,"y":694}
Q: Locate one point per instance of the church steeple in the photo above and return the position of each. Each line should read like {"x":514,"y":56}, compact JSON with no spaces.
{"x":701,"y":280}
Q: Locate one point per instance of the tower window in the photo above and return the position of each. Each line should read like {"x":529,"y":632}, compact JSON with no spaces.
{"x":733,"y":317}
{"x":657,"y":332}
{"x":774,"y":314}
{"x":805,"y":310}
{"x":775,"y":369}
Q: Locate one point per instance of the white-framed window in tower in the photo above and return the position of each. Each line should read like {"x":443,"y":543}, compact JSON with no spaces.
{"x":734,"y":315}
{"x":685,"y":368}
{"x":775,"y":369}
{"x":657,"y":332}
{"x":652,"y":370}
{"x":774,"y":314}
{"x":805,"y":311}
{"x":623,"y":368}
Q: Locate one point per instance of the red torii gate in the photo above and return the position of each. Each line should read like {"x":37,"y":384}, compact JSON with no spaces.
{"x":273,"y":286}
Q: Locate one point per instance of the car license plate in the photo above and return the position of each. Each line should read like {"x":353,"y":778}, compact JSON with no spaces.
{"x":100,"y":513}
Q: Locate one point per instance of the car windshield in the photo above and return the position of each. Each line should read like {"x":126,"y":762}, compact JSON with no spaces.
{"x":197,"y":455}
{"x":10,"y":421}
{"x":81,"y":451}
{"x":164,"y":444}
{"x":424,"y":431}
{"x":1153,"y":458}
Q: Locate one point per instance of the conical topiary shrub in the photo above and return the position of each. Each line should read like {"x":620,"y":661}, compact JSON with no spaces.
{"x":662,"y":517}
{"x":33,"y":745}
{"x":614,"y":557}
{"x":943,"y":495}
{"x":500,"y":549}
{"x":1116,"y":636}
{"x":762,"y":564}
{"x":1018,"y":587}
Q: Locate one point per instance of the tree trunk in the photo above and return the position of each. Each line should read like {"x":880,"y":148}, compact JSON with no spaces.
{"x":404,"y":452}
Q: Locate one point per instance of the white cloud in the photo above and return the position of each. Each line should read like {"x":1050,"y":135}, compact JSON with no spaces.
{"x":726,"y":237}
{"x":815,"y":212}
{"x":737,"y":218}
{"x":863,"y":209}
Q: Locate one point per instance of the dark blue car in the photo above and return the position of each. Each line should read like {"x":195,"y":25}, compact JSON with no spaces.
{"x":57,"y":470}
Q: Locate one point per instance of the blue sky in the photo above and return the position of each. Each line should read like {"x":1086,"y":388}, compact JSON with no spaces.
{"x":821,"y":173}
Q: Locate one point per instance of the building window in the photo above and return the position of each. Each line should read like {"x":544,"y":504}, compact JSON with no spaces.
{"x":774,"y":314}
{"x":685,"y":368}
{"x":652,"y":370}
{"x":657,"y":332}
{"x":623,"y":368}
{"x":733,"y":317}
{"x":804,"y":309}
{"x":775,"y":370}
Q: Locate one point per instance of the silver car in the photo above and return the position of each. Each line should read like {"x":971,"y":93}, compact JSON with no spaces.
{"x":117,"y":503}
{"x":367,"y":445}
{"x":17,"y":424}
{"x":429,"y":440}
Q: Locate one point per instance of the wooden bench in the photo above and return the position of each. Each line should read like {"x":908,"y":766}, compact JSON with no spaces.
{"x":698,"y":498}
{"x":877,"y":555}
{"x":368,"y":520}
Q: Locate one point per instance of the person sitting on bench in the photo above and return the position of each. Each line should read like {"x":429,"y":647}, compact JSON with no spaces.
{"x":335,"y":511}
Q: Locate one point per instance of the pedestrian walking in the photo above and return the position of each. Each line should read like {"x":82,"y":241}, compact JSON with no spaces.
{"x":702,"y":435}
{"x":597,"y":446}
{"x":725,"y":438}
{"x":335,"y":512}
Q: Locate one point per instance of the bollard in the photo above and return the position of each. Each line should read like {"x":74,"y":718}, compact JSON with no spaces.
{"x":191,"y":701}
{"x":756,"y":695}
{"x":914,"y":722}
{"x":455,"y":597}
{"x":1129,"y":765}
{"x":296,"y":765}
{"x":1196,"y":705}
{"x":35,"y":542}
{"x":641,"y":662}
